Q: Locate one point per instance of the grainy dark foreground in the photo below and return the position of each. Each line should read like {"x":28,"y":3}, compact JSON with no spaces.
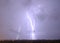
{"x":30,"y":41}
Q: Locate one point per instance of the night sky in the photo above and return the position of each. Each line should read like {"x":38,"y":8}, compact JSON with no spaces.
{"x":29,"y":19}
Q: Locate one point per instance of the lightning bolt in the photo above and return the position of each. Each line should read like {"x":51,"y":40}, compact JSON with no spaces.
{"x":30,"y":20}
{"x":31,"y":24}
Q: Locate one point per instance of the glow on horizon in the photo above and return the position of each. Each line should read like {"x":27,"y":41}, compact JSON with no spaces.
{"x":33,"y":35}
